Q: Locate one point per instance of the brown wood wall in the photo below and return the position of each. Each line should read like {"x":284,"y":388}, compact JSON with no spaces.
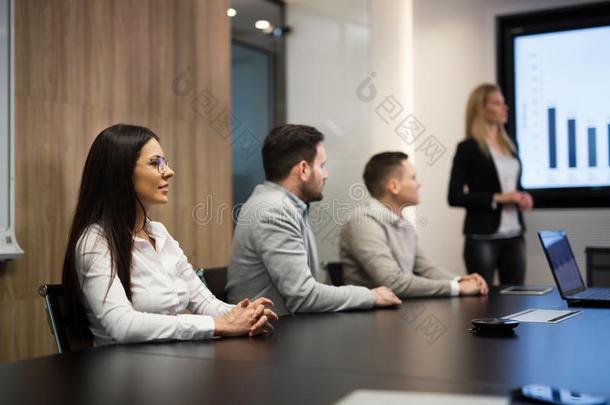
{"x":81,"y":66}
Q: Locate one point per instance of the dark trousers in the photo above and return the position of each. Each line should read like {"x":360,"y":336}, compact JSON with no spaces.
{"x":484,"y":256}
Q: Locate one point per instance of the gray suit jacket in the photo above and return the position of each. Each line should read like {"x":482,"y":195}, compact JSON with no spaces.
{"x":274,"y":255}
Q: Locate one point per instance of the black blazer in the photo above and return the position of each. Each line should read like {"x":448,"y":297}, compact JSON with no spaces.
{"x":476,"y":171}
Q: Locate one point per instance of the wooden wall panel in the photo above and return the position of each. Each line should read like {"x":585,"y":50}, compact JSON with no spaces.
{"x":82,"y":65}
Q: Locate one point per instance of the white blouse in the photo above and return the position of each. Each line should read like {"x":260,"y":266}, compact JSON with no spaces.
{"x":508,"y":168}
{"x":163,"y":284}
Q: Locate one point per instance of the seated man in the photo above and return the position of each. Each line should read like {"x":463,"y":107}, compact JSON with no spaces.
{"x":274,"y":252}
{"x":378,"y":247}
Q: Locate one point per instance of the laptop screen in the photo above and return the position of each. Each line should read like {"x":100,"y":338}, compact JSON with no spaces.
{"x":561,"y":259}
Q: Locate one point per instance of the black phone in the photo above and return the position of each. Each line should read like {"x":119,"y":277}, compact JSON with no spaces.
{"x":551,"y":395}
{"x":493,"y":327}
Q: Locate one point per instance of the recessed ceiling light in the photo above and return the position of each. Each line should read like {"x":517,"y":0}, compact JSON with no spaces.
{"x":262,"y":24}
{"x":231,"y":12}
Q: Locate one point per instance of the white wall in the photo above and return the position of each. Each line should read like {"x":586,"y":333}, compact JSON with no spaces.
{"x":428,"y":55}
{"x":335,"y":46}
{"x":454,"y":50}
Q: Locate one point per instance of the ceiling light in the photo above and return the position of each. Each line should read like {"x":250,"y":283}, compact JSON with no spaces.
{"x":262,"y":25}
{"x":231,"y":12}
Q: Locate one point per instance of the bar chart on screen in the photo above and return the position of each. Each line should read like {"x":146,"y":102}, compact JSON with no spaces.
{"x":562,"y":109}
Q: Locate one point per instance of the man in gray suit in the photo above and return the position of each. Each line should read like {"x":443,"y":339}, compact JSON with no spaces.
{"x":274,"y":252}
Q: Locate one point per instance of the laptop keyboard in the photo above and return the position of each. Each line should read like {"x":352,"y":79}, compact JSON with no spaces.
{"x":594,"y":294}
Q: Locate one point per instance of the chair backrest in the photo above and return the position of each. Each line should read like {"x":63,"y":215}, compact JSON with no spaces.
{"x":335,"y":271}
{"x":67,"y":337}
{"x":215,"y":278}
{"x":598,"y":266}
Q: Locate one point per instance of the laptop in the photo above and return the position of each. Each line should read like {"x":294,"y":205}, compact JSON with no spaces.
{"x":567,"y":276}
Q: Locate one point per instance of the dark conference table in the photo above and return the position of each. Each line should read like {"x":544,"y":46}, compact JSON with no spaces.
{"x":424,"y":345}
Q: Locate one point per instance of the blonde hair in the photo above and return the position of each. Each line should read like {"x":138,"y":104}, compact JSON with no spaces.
{"x":475,"y":122}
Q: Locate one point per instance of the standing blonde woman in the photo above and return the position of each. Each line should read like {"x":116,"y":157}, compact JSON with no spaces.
{"x":485,"y":179}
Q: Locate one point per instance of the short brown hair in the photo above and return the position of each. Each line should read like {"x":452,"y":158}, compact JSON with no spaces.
{"x":287,"y":145}
{"x":379,"y":168}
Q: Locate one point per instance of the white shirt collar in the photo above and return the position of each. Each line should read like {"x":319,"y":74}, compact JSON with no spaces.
{"x":155,"y":229}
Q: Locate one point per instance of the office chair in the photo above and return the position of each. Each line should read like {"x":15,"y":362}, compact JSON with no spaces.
{"x":215,"y":278}
{"x":598,"y":266}
{"x":335,"y":271}
{"x":67,"y":337}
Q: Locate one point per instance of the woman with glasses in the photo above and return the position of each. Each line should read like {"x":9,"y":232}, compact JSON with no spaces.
{"x":485,"y":179}
{"x":123,"y":272}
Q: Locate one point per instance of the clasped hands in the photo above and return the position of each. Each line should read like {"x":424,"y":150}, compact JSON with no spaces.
{"x":522,"y":199}
{"x":246,"y":318}
{"x":473,"y":284}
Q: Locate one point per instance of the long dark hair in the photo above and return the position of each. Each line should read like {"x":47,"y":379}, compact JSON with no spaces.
{"x":107,"y":198}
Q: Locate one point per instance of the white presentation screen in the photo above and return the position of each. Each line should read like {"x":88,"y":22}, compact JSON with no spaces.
{"x":562,"y":108}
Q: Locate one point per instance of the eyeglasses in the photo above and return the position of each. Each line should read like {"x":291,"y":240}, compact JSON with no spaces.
{"x":160,"y":163}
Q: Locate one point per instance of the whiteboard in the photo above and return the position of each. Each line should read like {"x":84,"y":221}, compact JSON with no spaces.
{"x":8,"y":244}
{"x":4,"y":115}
